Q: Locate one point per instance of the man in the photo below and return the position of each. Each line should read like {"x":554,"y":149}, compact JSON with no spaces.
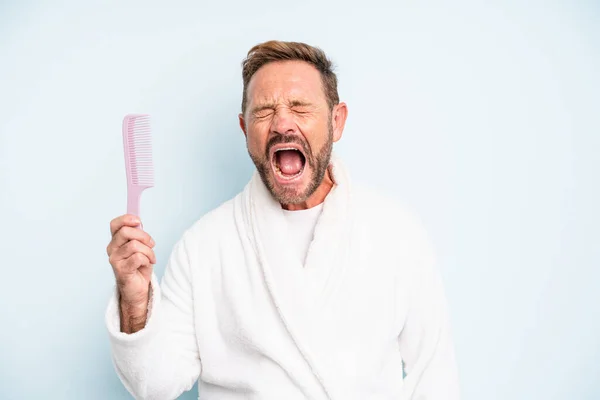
{"x":301,"y":287}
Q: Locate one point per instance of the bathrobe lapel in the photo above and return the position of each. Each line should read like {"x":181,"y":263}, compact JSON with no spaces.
{"x":301,"y":292}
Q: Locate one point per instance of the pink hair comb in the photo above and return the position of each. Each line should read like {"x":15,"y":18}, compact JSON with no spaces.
{"x":137,"y":143}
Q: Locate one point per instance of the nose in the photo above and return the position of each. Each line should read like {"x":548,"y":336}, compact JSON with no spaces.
{"x":283,"y":122}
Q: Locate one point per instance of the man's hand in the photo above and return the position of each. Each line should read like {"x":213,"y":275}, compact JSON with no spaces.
{"x":131,"y":256}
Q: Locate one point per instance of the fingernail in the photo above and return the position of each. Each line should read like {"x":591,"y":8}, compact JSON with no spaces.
{"x":151,"y":242}
{"x":136,"y":220}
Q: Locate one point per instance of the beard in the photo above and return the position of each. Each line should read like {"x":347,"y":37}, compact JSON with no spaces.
{"x":318,"y":163}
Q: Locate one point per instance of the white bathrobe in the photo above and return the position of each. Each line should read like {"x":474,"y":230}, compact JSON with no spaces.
{"x":236,"y":311}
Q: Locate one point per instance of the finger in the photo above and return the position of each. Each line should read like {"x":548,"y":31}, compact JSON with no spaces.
{"x":124,"y":235}
{"x":130,"y":264}
{"x":127,"y":233}
{"x":123,"y":220}
{"x":132,"y":247}
{"x":134,"y":262}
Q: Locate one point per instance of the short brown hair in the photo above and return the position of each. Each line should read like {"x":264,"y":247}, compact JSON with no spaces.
{"x":275,"y":50}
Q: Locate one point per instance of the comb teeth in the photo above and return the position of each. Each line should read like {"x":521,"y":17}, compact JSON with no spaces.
{"x":139,"y":150}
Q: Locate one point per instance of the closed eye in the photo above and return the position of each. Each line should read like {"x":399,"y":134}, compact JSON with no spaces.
{"x":264,"y":113}
{"x":301,"y":110}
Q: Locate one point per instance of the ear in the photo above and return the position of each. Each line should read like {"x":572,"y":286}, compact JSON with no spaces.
{"x":338,"y":120}
{"x":242,"y":124}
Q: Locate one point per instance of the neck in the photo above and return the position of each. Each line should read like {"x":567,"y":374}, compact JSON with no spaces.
{"x":316,"y":198}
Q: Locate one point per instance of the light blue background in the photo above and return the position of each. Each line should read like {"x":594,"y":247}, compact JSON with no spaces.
{"x":484,"y":116}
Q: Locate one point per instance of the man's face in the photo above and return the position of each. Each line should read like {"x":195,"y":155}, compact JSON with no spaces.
{"x":288,"y":129}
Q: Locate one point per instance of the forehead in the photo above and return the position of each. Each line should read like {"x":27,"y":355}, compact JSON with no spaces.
{"x":284,"y":80}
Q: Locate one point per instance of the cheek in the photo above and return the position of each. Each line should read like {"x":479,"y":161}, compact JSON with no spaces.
{"x":315,"y":132}
{"x":257,"y":138}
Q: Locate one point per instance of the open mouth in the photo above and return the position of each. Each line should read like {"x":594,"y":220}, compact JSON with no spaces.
{"x":288,"y":162}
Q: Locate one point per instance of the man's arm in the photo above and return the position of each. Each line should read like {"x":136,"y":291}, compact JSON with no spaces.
{"x":160,"y":360}
{"x":133,"y":318}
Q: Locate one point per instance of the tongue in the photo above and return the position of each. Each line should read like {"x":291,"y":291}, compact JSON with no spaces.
{"x":290,"y":161}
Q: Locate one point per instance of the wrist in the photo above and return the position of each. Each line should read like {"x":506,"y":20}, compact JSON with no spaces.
{"x":137,"y":306}
{"x":133,"y":319}
{"x":133,"y":301}
{"x":133,"y":315}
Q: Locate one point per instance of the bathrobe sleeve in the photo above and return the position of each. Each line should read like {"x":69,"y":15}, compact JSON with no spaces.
{"x":161,"y":361}
{"x":426,"y":341}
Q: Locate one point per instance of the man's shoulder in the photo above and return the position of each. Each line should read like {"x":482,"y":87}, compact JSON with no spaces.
{"x":217,"y":220}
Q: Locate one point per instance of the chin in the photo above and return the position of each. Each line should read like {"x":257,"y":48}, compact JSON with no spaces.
{"x":290,"y":191}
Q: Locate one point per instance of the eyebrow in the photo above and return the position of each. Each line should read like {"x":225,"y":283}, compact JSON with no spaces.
{"x":299,"y":103}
